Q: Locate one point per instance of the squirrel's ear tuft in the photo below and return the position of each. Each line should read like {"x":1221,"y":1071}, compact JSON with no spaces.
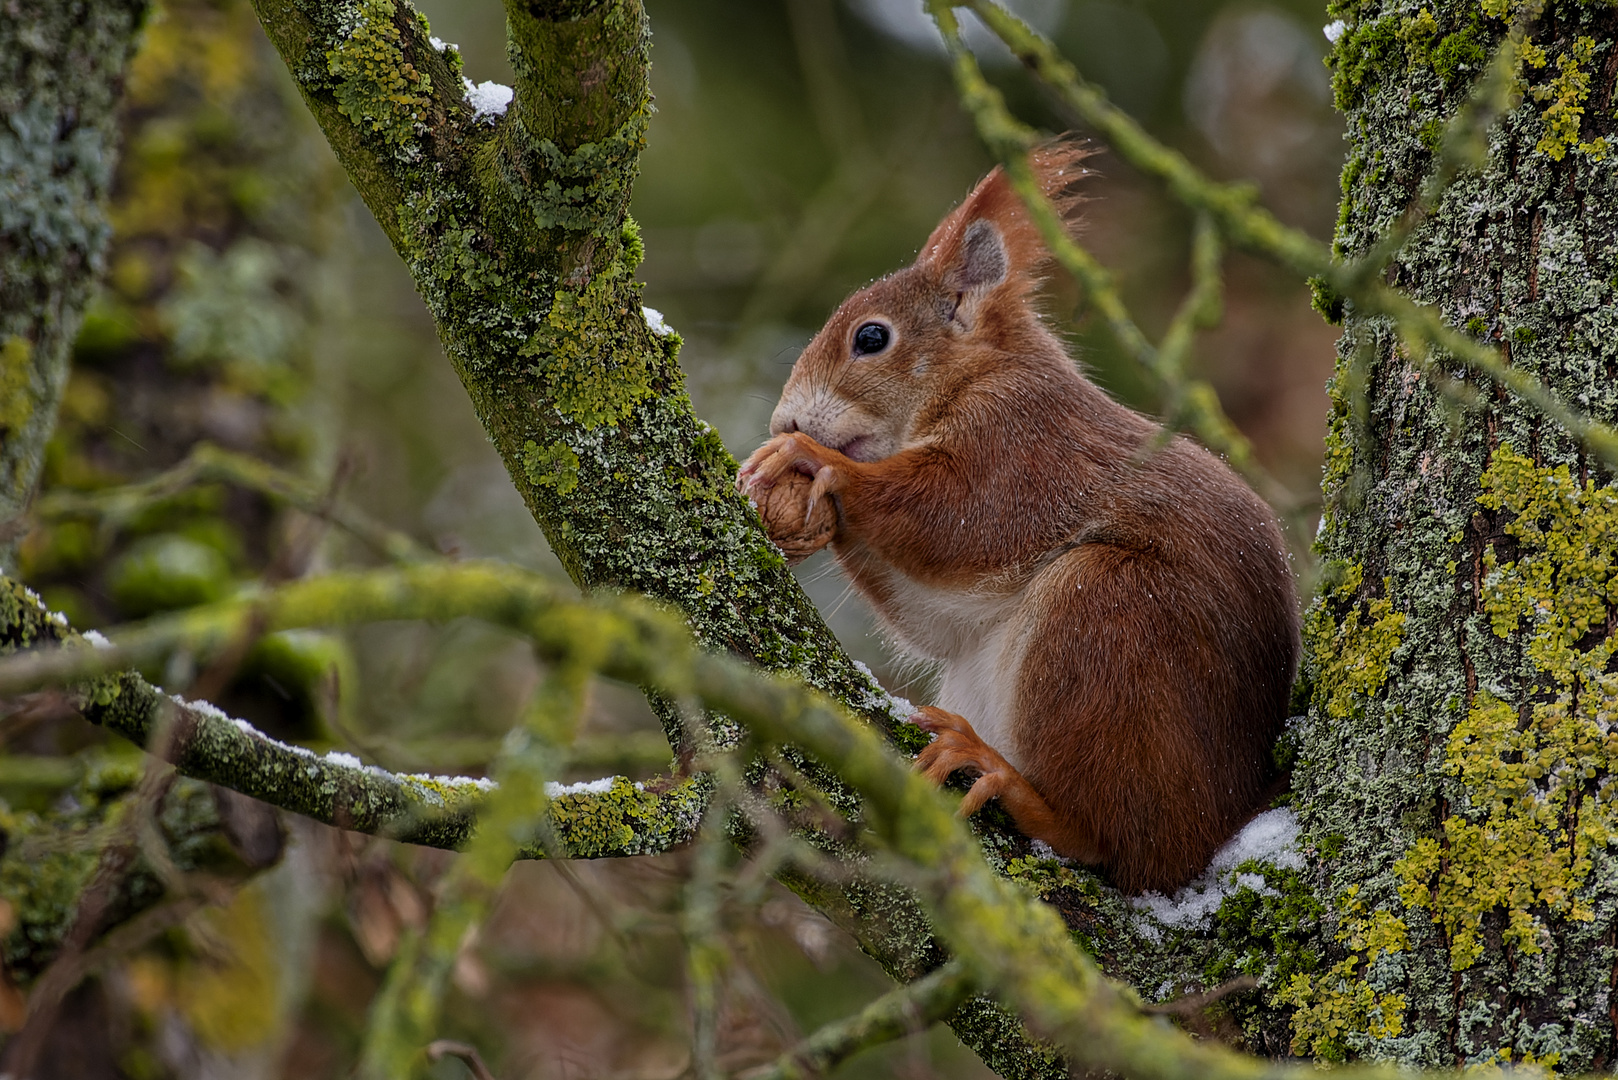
{"x":989,"y":241}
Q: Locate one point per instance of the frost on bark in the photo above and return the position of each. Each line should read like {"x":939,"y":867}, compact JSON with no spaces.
{"x":61,"y":74}
{"x":1455,"y":774}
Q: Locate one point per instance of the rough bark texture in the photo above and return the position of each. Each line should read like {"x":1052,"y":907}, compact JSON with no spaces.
{"x":61,"y":73}
{"x":1454,"y":772}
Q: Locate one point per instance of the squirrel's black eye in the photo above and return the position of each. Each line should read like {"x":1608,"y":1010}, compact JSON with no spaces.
{"x":871,"y":338}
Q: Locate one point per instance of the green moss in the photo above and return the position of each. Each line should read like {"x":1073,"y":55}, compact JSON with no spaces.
{"x":585,"y":191}
{"x":376,"y":86}
{"x":1349,"y":654}
{"x":1538,"y":778}
{"x":554,"y":466}
{"x":1272,"y":933}
{"x":1460,"y":56}
{"x":1326,"y":301}
{"x":1359,"y":57}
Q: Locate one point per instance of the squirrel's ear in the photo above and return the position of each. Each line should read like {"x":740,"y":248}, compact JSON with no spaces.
{"x":988,"y":241}
{"x":980,"y":266}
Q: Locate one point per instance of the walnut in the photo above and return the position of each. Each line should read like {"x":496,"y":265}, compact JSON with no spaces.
{"x":782,"y":506}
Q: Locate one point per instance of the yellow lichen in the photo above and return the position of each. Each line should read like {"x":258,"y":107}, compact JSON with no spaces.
{"x":16,"y":400}
{"x":376,"y":86}
{"x":1537,"y":776}
{"x":1341,"y":1002}
{"x":1508,"y":1062}
{"x":1351,"y":656}
{"x":1567,"y":94}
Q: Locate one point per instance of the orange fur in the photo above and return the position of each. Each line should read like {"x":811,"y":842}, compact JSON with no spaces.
{"x":1117,"y":632}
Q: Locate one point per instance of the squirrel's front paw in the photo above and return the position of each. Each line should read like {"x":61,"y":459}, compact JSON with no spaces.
{"x":956,"y":746}
{"x":794,"y":452}
{"x":788,"y":479}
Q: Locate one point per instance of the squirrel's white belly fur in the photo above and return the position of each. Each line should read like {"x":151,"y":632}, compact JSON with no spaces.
{"x":974,"y":634}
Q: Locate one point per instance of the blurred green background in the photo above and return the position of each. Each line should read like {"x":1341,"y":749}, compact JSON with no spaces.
{"x":800,"y":149}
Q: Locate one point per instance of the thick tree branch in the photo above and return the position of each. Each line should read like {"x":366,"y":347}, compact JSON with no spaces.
{"x":436,"y":811}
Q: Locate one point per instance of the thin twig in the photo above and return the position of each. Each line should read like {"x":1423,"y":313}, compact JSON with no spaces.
{"x":894,"y":1015}
{"x":442,"y":1048}
{"x":1192,"y":1004}
{"x":210,"y":464}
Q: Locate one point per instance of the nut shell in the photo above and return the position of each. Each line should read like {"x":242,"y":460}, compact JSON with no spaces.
{"x":782,"y":505}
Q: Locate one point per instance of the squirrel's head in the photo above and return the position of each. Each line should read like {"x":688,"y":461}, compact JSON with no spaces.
{"x":894,"y":352}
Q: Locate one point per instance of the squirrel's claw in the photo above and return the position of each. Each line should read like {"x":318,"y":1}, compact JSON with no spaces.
{"x":828,"y":481}
{"x":958,"y":747}
{"x":787,"y":452}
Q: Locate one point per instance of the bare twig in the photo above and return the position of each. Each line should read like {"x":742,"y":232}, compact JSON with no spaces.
{"x":210,"y":464}
{"x":894,"y":1015}
{"x":442,"y":1048}
{"x":1192,"y":1004}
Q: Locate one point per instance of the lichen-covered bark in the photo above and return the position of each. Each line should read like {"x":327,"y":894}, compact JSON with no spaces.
{"x":516,"y":231}
{"x":61,"y":72}
{"x":1454,"y":774}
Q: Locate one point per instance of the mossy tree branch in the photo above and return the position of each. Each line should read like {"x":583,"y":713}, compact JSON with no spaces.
{"x":1006,"y":941}
{"x":515,"y":229}
{"x":61,"y":76}
{"x":335,"y":789}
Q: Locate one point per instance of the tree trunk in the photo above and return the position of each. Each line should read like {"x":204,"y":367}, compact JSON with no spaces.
{"x":1453,"y":774}
{"x":61,"y":73}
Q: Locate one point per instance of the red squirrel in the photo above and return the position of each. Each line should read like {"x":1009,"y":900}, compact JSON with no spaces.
{"x":1114,"y":614}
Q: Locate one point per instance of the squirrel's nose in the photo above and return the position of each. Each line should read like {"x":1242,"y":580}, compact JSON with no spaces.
{"x":783,"y":425}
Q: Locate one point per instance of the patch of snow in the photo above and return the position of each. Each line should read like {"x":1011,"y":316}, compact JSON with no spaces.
{"x":488,"y":99}
{"x":554,"y":790}
{"x":440,"y":45}
{"x":97,"y":638}
{"x":895,"y":706}
{"x":482,"y":783}
{"x":209,"y":709}
{"x":1271,"y":837}
{"x":348,"y":761}
{"x":214,"y":712}
{"x":655,"y":323}
{"x":1334,"y":30}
